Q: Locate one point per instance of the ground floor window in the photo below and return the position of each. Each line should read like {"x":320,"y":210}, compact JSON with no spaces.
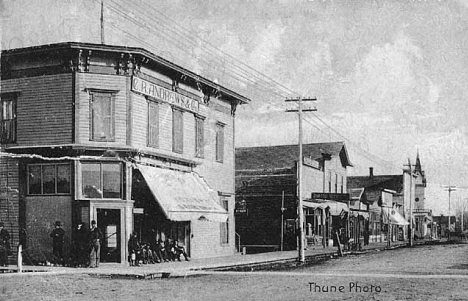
{"x":225,"y":226}
{"x":101,"y":180}
{"x":49,"y":179}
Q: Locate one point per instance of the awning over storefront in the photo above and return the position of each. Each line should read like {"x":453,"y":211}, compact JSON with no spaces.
{"x":183,"y":196}
{"x":335,"y":207}
{"x":394,"y":217}
{"x":356,"y":213}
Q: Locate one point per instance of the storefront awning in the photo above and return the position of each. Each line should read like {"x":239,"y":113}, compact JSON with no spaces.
{"x":336,"y":208}
{"x":183,"y":196}
{"x":394,"y":217}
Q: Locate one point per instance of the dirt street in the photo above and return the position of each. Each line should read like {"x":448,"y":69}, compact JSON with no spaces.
{"x":421,"y":273}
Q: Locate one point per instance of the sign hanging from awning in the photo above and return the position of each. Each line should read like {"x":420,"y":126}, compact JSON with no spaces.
{"x":183,"y":196}
{"x":343,"y":197}
{"x":394,"y":217}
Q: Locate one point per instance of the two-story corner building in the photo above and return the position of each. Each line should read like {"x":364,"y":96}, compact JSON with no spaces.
{"x":118,"y":135}
{"x":266,"y":193}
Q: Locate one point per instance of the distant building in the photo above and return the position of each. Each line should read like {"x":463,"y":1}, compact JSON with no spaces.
{"x":442,"y":222}
{"x":406,"y":187}
{"x":118,"y":135}
{"x":266,"y":193}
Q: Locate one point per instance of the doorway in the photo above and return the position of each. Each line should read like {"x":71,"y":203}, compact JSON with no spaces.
{"x":108,"y":221}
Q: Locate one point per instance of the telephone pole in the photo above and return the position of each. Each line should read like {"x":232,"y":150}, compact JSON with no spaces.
{"x":449,"y":188}
{"x":300,"y":213}
{"x":411,"y":234}
{"x":102,"y":22}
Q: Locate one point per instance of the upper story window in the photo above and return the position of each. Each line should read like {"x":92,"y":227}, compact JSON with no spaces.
{"x":48,"y":179}
{"x":8,"y":118}
{"x":219,"y":142}
{"x":336,"y":183}
{"x":153,"y":124}
{"x":329,"y":181}
{"x":199,"y":137}
{"x":102,"y":115}
{"x":101,"y":180}
{"x":177,"y":131}
{"x":342,"y":183}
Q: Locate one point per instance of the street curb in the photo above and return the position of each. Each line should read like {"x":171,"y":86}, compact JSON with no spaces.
{"x":201,"y":271}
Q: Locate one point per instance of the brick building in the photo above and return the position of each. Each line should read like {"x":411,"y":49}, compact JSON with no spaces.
{"x":266,"y":192}
{"x":118,"y":135}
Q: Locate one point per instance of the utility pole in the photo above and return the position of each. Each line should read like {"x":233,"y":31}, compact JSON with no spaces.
{"x":102,"y":22}
{"x":411,"y":234}
{"x":282,"y":220}
{"x":449,"y":188}
{"x":300,"y":213}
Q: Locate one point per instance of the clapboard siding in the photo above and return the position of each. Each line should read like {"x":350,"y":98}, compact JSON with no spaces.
{"x":44,"y":109}
{"x":9,"y":201}
{"x":86,"y":81}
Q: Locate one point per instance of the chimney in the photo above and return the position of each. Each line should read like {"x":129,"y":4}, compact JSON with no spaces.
{"x":371,"y":172}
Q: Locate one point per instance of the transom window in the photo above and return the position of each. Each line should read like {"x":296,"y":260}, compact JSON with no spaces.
{"x":101,"y":180}
{"x":48,"y":179}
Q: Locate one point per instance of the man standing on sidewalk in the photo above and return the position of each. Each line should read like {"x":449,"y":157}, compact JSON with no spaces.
{"x":4,"y":245}
{"x":95,"y":235}
{"x":58,"y":235}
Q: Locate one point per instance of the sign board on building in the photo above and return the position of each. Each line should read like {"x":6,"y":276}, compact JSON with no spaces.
{"x":387,"y":198}
{"x":241,"y":207}
{"x":138,"y":210}
{"x":343,"y":197}
{"x":311,"y":162}
{"x":240,"y":211}
{"x":150,"y":89}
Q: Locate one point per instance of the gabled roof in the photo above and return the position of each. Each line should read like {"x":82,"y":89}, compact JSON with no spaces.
{"x":285,"y":156}
{"x":392,"y":182}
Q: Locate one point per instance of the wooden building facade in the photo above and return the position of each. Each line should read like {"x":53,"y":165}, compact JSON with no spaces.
{"x":266,"y":193}
{"x":118,"y":135}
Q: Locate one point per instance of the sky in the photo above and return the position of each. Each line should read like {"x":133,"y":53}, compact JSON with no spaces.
{"x":390,"y":77}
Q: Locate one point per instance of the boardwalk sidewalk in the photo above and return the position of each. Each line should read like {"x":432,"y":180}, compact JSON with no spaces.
{"x":186,"y":268}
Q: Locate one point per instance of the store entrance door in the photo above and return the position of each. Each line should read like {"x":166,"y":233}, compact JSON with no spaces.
{"x":108,"y":221}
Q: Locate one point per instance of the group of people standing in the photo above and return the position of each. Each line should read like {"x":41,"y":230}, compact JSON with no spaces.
{"x":86,"y":245}
{"x":156,"y":252}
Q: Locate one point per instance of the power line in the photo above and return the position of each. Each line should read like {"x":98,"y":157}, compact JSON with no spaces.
{"x":237,"y":70}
